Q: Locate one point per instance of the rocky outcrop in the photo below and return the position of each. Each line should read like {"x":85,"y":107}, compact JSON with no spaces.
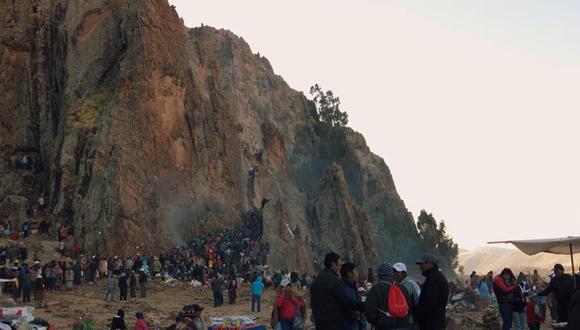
{"x":141,"y":133}
{"x":337,"y":222}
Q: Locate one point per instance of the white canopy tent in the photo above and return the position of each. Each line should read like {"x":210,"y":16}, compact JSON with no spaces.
{"x":565,"y":245}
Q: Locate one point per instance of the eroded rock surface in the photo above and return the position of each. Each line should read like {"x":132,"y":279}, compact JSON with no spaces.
{"x":143,"y":130}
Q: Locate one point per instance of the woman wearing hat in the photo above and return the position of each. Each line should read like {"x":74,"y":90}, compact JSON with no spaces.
{"x":289,"y":306}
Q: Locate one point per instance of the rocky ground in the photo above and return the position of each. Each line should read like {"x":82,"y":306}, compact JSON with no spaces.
{"x":165,"y":300}
{"x":160,"y":307}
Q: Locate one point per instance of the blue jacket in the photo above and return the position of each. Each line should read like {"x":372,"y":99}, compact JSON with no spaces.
{"x":257,"y":287}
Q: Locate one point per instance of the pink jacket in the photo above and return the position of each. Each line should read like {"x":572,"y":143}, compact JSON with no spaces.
{"x":141,"y":325}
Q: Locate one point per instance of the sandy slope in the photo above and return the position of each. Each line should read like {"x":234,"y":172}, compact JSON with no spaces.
{"x":493,"y":258}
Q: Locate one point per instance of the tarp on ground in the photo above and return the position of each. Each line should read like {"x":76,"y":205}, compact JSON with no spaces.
{"x":549,"y":245}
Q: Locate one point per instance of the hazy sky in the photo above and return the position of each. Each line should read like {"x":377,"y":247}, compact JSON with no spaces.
{"x":474,"y":105}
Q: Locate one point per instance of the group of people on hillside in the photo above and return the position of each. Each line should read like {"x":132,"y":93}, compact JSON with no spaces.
{"x":339,"y":300}
{"x":522,"y":299}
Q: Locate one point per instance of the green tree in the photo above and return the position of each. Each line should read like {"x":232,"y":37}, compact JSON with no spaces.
{"x":436,"y":240}
{"x":328,"y":107}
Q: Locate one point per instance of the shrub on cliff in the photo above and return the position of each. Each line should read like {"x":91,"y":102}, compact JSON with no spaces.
{"x":328,"y":107}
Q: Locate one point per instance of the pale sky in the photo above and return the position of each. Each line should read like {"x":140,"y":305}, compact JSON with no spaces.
{"x":474,"y":105}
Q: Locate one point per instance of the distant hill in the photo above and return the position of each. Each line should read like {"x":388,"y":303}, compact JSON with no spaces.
{"x":485,"y":259}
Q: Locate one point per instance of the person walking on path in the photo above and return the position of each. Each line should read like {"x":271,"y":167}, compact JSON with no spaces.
{"x":504,"y":286}
{"x":257,"y":289}
{"x":562,"y":285}
{"x":328,"y":297}
{"x":430,"y":310}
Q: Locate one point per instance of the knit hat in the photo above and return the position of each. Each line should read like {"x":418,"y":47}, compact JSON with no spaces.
{"x":385,"y":270}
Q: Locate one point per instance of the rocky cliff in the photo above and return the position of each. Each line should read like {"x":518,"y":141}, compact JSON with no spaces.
{"x":140,"y":133}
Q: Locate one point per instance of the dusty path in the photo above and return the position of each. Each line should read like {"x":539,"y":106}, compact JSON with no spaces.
{"x":161,"y":305}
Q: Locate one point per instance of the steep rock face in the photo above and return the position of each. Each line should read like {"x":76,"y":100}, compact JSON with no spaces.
{"x":333,"y":213}
{"x":141,"y":133}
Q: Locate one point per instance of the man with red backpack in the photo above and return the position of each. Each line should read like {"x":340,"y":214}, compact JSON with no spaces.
{"x":388,"y":305}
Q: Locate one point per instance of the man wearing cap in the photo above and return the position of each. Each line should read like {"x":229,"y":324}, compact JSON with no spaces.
{"x":430,"y":310}
{"x":328,"y":296}
{"x":412,"y":287}
{"x":377,"y":303}
{"x":562,"y":285}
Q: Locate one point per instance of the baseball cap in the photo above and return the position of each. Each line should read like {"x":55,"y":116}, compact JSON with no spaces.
{"x":400,"y":267}
{"x":284,"y":283}
{"x":428,"y":258}
{"x":558,"y":267}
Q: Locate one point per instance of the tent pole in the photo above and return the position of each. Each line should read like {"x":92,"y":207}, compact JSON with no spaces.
{"x":573,"y":269}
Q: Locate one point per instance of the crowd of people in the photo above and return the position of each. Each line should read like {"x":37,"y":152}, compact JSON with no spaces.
{"x":341,"y":295}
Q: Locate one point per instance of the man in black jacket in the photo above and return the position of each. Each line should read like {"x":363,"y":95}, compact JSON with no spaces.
{"x":574,"y":312}
{"x":430,"y":311}
{"x":328,"y":296}
{"x":563,"y":287}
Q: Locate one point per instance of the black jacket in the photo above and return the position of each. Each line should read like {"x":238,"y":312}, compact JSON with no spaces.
{"x":329,"y":299}
{"x":562,"y":286}
{"x":377,"y":305}
{"x":574,"y":312}
{"x":430,"y":311}
{"x":118,"y":323}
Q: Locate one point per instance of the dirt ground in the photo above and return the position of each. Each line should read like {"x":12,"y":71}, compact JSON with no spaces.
{"x":162,"y":303}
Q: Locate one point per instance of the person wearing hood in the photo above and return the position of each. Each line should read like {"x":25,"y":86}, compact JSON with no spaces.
{"x":430,"y":310}
{"x":377,"y":303}
{"x":118,"y":322}
{"x":140,"y":323}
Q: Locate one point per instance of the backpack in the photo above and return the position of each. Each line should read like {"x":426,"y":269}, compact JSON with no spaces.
{"x":397,"y":303}
{"x":540,"y":311}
